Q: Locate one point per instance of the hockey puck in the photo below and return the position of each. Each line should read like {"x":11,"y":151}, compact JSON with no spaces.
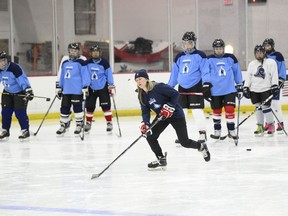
{"x":48,"y":99}
{"x":248,"y":149}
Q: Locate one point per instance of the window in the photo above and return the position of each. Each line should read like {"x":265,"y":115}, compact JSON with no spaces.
{"x":85,"y":17}
{"x":3,"y":5}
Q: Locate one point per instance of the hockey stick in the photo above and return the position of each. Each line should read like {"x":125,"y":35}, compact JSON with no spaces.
{"x":279,"y":122}
{"x":120,"y":135}
{"x":238,"y":118}
{"x":21,"y":95}
{"x":191,"y":93}
{"x":82,"y":134}
{"x":257,"y":108}
{"x":45,"y":116}
{"x":142,"y":135}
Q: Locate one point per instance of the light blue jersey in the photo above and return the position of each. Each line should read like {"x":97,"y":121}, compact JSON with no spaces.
{"x":188,"y":69}
{"x":74,"y":77}
{"x":100,"y":73}
{"x":281,"y":66}
{"x":224,"y":74}
{"x":13,"y":78}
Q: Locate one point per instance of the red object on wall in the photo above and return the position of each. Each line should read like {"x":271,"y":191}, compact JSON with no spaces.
{"x":228,"y":2}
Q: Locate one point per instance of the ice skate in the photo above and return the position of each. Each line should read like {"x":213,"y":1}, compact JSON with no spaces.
{"x":216,"y":135}
{"x":62,"y":129}
{"x":159,"y":164}
{"x":266,"y":126}
{"x":78,"y":128}
{"x":204,"y":151}
{"x":202,"y":136}
{"x":24,"y":135}
{"x":4,"y":135}
{"x":109,"y":127}
{"x":87,"y":127}
{"x":280,"y":127}
{"x":259,"y":131}
{"x":232,"y":134}
{"x":271,"y":129}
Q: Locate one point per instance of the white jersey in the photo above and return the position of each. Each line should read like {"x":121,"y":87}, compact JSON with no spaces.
{"x":64,"y":58}
{"x":260,"y":77}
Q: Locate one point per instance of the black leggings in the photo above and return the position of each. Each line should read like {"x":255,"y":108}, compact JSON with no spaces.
{"x":179,"y":126}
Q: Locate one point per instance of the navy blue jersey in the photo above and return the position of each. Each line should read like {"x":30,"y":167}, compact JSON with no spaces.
{"x":188,"y":69}
{"x":13,"y":78}
{"x":155,"y":99}
{"x":281,"y":66}
{"x":74,"y":77}
{"x":224,"y":74}
{"x":100,"y":73}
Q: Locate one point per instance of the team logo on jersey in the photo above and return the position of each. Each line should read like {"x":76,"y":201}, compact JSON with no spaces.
{"x":222,"y":71}
{"x":152,"y":102}
{"x":185,"y":68}
{"x":94,"y":74}
{"x":4,"y":82}
{"x":68,"y":72}
{"x":260,"y":72}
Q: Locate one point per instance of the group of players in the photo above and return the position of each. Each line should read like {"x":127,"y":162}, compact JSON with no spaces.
{"x":216,"y":78}
{"x":79,"y":77}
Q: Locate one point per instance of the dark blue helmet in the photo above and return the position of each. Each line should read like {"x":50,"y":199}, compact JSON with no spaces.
{"x":95,"y":48}
{"x":3,"y":55}
{"x":269,"y":41}
{"x":189,"y":36}
{"x":74,"y":46}
{"x":259,"y":48}
{"x":218,"y":43}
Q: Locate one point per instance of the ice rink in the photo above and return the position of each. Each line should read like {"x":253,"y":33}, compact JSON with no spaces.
{"x":50,"y":175}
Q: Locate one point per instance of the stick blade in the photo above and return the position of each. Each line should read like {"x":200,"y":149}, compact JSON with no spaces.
{"x":95,"y":176}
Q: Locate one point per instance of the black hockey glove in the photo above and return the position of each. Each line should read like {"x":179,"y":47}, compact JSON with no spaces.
{"x":275,"y":90}
{"x":58,"y":91}
{"x":29,"y":95}
{"x":206,"y":89}
{"x":246,"y":92}
{"x":239,"y":88}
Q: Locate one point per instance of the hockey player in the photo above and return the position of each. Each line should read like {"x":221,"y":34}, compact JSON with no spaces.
{"x":164,"y":101}
{"x":261,"y":81}
{"x":187,"y":71}
{"x":269,"y":45}
{"x":102,"y":87}
{"x":223,"y":81}
{"x":73,"y":83}
{"x":17,"y":92}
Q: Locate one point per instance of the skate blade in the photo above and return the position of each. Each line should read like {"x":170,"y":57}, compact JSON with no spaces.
{"x":259,"y":135}
{"x":158,"y":169}
{"x":25,"y":139}
{"x":4,"y":139}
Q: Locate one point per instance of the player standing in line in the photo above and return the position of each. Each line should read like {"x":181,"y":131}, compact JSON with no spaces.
{"x":75,"y":54}
{"x":224,"y":74}
{"x":102,"y":86}
{"x":188,"y":69}
{"x":17,"y":92}
{"x":73,"y":83}
{"x":269,"y":45}
{"x":262,"y":81}
{"x":164,"y":101}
